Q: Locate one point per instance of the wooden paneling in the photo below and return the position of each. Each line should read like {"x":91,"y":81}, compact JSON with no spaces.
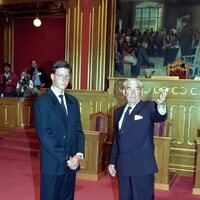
{"x":92,"y":164}
{"x":16,"y":113}
{"x":92,"y":102}
{"x":163,"y":178}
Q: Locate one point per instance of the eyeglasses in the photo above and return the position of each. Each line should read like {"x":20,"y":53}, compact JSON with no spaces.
{"x":62,"y":76}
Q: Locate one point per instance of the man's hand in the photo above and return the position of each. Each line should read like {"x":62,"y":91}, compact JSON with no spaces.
{"x":163,"y":95}
{"x":74,"y":162}
{"x":112,"y":171}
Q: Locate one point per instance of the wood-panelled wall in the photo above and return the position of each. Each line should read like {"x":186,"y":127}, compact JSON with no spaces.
{"x":183,"y":106}
{"x":16,"y":113}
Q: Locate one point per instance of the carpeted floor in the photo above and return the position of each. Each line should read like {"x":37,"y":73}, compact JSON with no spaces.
{"x":20,"y":174}
{"x":19,"y":180}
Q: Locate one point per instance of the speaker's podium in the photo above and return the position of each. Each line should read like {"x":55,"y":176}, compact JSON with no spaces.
{"x":164,"y":178}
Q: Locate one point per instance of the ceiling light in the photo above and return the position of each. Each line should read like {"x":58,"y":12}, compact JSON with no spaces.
{"x":37,"y":22}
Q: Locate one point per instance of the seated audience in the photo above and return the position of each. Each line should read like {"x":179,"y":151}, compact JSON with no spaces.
{"x":8,"y":82}
{"x":128,"y":51}
{"x":24,"y":85}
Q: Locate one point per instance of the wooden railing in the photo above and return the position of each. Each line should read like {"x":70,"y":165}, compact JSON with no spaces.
{"x":16,"y":113}
{"x":93,"y":168}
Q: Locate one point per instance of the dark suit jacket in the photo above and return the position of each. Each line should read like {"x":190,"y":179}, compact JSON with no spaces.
{"x":143,"y":58}
{"x":133,"y":151}
{"x":43,"y":76}
{"x":60,"y":136}
{"x":185,"y":40}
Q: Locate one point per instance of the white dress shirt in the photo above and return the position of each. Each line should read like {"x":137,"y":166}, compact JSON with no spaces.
{"x":161,"y":109}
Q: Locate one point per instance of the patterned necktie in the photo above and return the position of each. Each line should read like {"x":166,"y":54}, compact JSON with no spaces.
{"x":34,"y":77}
{"x":62,"y":103}
{"x":125,"y":119}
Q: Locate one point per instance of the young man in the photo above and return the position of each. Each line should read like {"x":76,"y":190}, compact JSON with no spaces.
{"x":58,"y":124}
{"x":133,"y":146}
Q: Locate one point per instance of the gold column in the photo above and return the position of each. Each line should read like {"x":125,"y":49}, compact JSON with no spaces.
{"x":101,"y":26}
{"x":73,"y":50}
{"x":8,"y":42}
{"x":110,"y":58}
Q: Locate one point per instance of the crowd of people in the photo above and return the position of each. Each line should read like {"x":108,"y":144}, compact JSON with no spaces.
{"x":28,"y":84}
{"x":128,"y":45}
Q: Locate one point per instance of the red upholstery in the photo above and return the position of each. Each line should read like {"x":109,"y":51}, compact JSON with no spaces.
{"x":178,"y":68}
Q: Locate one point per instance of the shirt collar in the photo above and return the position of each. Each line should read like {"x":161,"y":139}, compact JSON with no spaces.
{"x":56,"y":92}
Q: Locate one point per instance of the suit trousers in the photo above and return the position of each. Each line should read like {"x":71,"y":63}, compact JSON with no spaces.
{"x":58,"y":187}
{"x":136,"y":187}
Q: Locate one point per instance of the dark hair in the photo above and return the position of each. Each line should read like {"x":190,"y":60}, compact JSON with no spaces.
{"x":60,"y":64}
{"x":6,"y":64}
{"x":144,"y":40}
{"x":185,"y":20}
{"x":34,"y":60}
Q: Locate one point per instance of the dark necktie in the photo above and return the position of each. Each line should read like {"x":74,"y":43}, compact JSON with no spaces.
{"x":125,"y":119}
{"x":62,"y":103}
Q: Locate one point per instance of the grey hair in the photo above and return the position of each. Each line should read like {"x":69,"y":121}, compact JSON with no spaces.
{"x":132,"y":80}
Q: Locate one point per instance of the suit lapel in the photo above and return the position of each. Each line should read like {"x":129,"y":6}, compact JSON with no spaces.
{"x":57,"y":105}
{"x":118,"y":116}
{"x":138,"y":108}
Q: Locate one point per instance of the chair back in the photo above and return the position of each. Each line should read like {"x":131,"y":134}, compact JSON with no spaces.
{"x":99,"y":122}
{"x":162,"y":129}
{"x":194,"y":62}
{"x":178,"y":68}
{"x":196,"y":57}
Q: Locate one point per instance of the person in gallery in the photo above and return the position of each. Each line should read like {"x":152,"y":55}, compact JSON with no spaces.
{"x":39,"y":77}
{"x":132,"y":154}
{"x":58,"y":125}
{"x":24,"y":86}
{"x":8,"y":81}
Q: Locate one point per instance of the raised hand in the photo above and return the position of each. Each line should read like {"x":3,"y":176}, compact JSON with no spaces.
{"x":163,"y":95}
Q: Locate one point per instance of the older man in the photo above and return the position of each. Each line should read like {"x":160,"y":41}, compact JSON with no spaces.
{"x":133,"y":145}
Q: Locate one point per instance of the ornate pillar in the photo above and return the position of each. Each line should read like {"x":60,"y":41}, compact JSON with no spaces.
{"x":74,"y":21}
{"x":90,"y":42}
{"x":8,"y":42}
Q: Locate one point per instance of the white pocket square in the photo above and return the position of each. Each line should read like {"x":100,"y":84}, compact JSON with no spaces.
{"x":138,"y":117}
